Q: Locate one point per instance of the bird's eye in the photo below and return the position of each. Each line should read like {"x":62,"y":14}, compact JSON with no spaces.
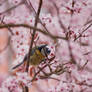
{"x":48,"y":50}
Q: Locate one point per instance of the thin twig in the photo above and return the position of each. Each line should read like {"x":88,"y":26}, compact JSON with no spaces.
{"x":59,"y":19}
{"x":2,"y":21}
{"x":40,"y":69}
{"x":83,"y":32}
{"x":70,"y":53}
{"x":81,"y":68}
{"x":31,"y":7}
{"x":44,"y":77}
{"x":11,"y":8}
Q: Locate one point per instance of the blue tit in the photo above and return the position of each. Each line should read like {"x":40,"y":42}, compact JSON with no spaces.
{"x":38,"y":54}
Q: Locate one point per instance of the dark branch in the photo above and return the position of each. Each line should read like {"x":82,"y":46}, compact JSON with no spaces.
{"x":31,"y":27}
{"x":34,"y":31}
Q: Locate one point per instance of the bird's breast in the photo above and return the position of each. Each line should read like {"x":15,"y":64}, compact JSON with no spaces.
{"x":36,"y":58}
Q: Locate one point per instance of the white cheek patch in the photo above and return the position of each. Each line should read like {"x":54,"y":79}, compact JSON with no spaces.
{"x":43,"y":52}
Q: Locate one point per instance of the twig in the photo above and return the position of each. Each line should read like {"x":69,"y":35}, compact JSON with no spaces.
{"x":2,"y":21}
{"x":59,"y":19}
{"x":31,"y":7}
{"x":81,"y":68}
{"x":44,"y":77}
{"x":11,"y":8}
{"x":40,"y":69}
{"x":65,"y":30}
{"x":83,"y":31}
{"x":71,"y":54}
{"x":59,"y":70}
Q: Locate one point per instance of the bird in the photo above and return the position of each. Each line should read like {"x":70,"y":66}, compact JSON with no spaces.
{"x":37,"y":55}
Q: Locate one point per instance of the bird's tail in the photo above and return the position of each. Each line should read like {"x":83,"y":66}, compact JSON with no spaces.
{"x":25,"y":58}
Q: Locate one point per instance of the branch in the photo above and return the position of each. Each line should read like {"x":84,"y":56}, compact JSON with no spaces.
{"x":83,"y":32}
{"x":31,"y":27}
{"x":59,"y":19}
{"x":32,"y":41}
{"x":60,"y":69}
{"x":34,"y":31}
